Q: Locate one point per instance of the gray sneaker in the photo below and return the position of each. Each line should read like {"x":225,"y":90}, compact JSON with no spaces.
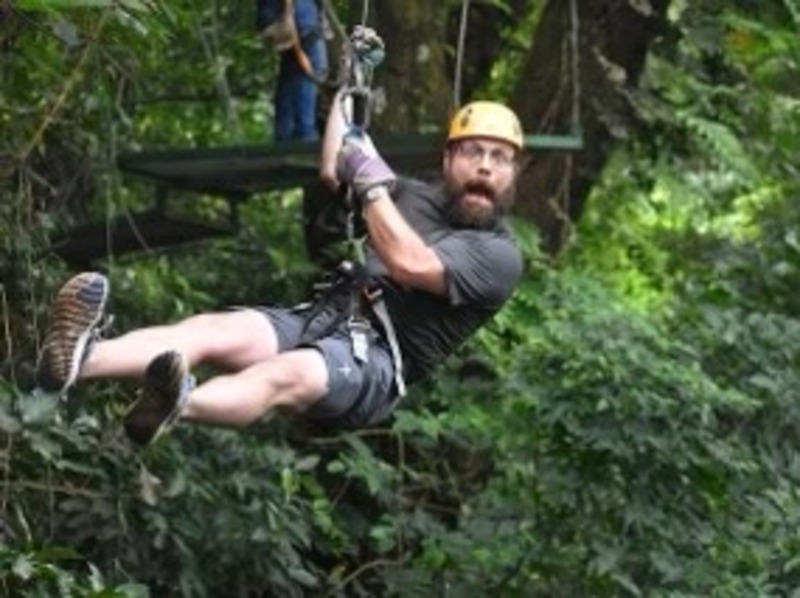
{"x":76,"y":314}
{"x":165,"y":390}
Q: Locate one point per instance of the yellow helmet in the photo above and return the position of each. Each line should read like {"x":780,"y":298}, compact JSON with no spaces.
{"x":486,"y":119}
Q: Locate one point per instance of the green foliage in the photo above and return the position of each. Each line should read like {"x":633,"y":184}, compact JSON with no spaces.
{"x":627,"y":426}
{"x":210,"y":522}
{"x":41,"y":573}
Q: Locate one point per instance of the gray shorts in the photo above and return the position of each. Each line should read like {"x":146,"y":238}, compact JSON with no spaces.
{"x":359,"y":394}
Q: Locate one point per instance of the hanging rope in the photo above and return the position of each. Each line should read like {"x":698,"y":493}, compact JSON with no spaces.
{"x":573,"y":43}
{"x":575,"y":60}
{"x":363,"y":53}
{"x":562,"y":211}
{"x":462,"y":37}
{"x":364,"y":13}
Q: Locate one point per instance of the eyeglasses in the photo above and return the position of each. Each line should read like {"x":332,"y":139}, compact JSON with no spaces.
{"x":475,"y":153}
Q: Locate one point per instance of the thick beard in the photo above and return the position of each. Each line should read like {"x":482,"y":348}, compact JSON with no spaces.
{"x":480,"y":217}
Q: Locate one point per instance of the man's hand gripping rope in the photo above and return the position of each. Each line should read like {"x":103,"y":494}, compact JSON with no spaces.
{"x":358,"y":163}
{"x":361,"y":167}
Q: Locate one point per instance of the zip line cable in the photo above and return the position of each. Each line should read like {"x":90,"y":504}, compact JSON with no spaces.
{"x":462,"y":36}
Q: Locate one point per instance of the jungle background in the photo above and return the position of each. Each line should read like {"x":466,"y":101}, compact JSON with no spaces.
{"x":629,"y":424}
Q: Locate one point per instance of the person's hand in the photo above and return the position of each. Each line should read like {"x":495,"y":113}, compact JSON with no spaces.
{"x":282,"y":34}
{"x":360,"y":166}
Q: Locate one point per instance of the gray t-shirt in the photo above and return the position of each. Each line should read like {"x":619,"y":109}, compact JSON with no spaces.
{"x":482,"y":267}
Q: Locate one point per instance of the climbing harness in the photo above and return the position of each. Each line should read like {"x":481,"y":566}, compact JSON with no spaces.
{"x":365,"y":312}
{"x":359,"y":305}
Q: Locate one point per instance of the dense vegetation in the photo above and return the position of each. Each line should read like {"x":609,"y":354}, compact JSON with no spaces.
{"x":629,"y":425}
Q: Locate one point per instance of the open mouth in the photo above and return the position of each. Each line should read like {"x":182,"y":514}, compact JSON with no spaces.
{"x":475,"y":204}
{"x":478,"y":191}
{"x":476,"y":199}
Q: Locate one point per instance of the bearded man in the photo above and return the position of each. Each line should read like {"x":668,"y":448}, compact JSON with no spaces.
{"x":439,"y":263}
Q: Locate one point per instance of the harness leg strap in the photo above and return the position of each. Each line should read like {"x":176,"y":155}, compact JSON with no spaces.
{"x":380,"y":311}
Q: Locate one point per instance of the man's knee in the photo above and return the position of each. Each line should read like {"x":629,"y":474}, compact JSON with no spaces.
{"x":298,"y":379}
{"x":233,"y":340}
{"x":199,"y":323}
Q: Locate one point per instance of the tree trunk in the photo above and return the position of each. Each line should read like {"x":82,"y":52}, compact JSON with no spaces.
{"x":421,"y":37}
{"x":614,"y":37}
{"x":413,"y":78}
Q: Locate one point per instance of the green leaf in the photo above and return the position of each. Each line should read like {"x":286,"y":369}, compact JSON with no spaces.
{"x":307,"y":463}
{"x":23,"y":567}
{"x":132,"y":590}
{"x":303,"y":577}
{"x":64,"y":4}
{"x":38,"y":408}
{"x":9,"y":424}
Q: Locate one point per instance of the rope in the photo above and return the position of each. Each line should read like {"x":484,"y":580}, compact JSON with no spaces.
{"x":462,"y":36}
{"x":364,"y":13}
{"x":363,"y":53}
{"x":574,"y":39}
{"x":576,"y":82}
{"x":369,"y":57}
{"x":562,"y":212}
{"x":334,"y":21}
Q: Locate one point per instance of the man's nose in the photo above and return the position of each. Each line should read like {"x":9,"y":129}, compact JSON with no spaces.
{"x":485,"y":161}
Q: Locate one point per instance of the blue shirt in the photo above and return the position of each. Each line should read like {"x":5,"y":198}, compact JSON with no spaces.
{"x":307,"y":16}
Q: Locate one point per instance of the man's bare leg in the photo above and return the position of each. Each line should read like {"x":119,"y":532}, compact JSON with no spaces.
{"x":229,"y":340}
{"x":294,"y":380}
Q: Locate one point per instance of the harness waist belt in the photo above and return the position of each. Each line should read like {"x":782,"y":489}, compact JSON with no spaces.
{"x":354,"y":280}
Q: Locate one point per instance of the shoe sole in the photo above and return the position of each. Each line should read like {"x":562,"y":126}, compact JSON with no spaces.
{"x":70,"y":292}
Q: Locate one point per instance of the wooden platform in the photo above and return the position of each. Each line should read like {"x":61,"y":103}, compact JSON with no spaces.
{"x":125,"y":234}
{"x":236,"y":173}
{"x":244,"y":170}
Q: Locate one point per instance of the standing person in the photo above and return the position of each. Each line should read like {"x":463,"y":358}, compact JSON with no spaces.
{"x":441,"y":256}
{"x":296,"y":28}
